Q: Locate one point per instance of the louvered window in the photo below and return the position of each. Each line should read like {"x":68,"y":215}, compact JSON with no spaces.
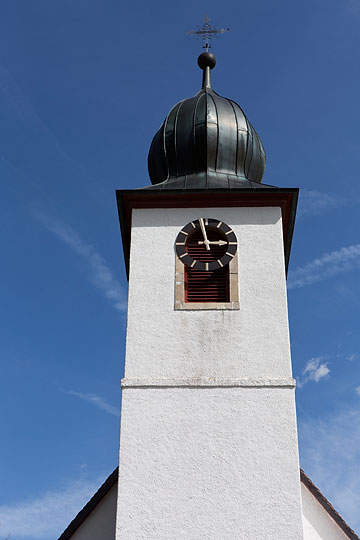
{"x":207,"y":286}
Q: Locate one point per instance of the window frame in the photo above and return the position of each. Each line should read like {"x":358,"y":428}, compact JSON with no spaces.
{"x":233,"y":303}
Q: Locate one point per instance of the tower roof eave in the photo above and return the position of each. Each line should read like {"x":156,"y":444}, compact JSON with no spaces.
{"x":259,"y":196}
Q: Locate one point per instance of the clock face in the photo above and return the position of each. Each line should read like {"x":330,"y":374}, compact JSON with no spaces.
{"x":206,"y":244}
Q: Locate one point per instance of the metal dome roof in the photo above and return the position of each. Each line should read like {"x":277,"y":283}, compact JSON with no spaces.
{"x":206,"y":141}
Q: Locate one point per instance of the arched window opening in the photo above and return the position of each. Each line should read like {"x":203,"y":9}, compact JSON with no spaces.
{"x":206,"y":266}
{"x":210,"y":285}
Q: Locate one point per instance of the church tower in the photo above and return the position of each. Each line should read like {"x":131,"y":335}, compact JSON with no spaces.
{"x":208,"y":445}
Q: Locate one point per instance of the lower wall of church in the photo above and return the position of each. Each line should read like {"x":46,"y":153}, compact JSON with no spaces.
{"x":100,"y":523}
{"x":209,"y":463}
{"x":318,"y":525}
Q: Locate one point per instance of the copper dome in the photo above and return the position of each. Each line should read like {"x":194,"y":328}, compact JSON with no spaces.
{"x":206,"y":141}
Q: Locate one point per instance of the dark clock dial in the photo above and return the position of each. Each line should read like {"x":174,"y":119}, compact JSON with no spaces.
{"x":206,"y":244}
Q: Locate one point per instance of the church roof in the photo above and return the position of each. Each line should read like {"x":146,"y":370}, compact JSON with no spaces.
{"x":113,"y":479}
{"x":89,"y":507}
{"x":206,"y":141}
{"x":327,"y":506}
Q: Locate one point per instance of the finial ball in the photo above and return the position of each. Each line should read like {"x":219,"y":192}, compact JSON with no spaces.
{"x":206,"y":59}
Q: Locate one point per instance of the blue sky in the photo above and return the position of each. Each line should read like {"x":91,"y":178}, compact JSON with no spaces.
{"x":84,"y":85}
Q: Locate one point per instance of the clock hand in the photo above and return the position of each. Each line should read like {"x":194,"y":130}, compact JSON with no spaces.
{"x":206,"y":241}
{"x":217,"y":242}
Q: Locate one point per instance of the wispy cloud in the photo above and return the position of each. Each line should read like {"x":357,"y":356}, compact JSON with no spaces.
{"x":312,"y":202}
{"x":47,"y":515}
{"x":357,"y":390}
{"x":328,"y":265}
{"x":353,"y":7}
{"x":353,"y":356}
{"x":99,"y":271}
{"x":17,"y":103}
{"x":16,"y":100}
{"x":315,"y":369}
{"x":330,"y":454}
{"x":95,"y":400}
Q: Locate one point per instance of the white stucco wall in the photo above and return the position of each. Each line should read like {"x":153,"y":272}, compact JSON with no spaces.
{"x":100,"y":524}
{"x":318,"y":524}
{"x":210,"y":463}
{"x":253,"y":341}
{"x":208,"y":434}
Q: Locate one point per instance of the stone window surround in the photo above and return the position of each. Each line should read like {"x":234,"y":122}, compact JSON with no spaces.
{"x":180,"y":303}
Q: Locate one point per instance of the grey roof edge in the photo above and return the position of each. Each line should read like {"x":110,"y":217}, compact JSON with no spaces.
{"x":89,"y":507}
{"x":328,"y":506}
{"x":206,"y":180}
{"x":113,"y":478}
{"x":246,"y":187}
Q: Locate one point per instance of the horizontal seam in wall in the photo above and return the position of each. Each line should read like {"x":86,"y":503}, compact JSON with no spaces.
{"x":208,"y":382}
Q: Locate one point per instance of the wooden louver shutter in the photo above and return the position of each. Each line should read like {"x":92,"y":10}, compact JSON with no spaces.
{"x":210,"y":286}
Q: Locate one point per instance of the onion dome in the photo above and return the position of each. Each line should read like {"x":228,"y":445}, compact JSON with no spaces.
{"x":206,"y":142}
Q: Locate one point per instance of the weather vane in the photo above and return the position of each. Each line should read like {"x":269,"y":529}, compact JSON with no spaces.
{"x":207,"y":32}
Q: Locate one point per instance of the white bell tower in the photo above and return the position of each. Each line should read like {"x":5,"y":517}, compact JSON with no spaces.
{"x":208,"y":445}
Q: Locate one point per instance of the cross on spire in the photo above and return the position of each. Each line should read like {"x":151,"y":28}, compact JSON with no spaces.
{"x":207,"y":32}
